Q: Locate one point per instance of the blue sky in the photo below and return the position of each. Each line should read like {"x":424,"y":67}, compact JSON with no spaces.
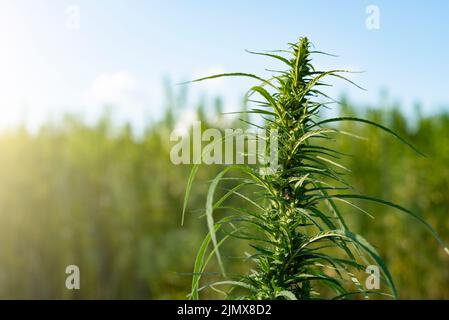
{"x":122,"y":51}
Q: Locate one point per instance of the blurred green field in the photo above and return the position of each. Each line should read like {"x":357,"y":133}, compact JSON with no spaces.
{"x":98,"y":197}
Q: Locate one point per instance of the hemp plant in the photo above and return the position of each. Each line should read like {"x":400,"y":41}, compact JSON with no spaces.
{"x":302,"y":247}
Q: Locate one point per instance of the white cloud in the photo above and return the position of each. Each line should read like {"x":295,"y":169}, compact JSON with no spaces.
{"x":114,"y":89}
{"x":132,"y":99}
{"x":185,"y":122}
{"x":213,"y":86}
{"x":228,"y":88}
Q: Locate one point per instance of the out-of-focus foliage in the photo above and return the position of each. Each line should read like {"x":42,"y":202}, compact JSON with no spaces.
{"x":419,"y":266}
{"x":99,"y":198}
